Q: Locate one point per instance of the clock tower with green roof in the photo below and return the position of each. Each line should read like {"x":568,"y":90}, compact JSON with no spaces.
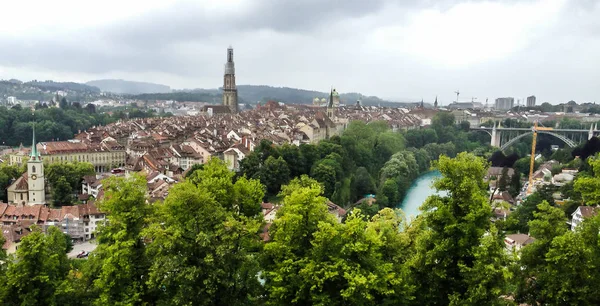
{"x":35,"y":175}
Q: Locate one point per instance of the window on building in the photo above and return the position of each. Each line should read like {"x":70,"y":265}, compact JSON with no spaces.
{"x":33,"y":169}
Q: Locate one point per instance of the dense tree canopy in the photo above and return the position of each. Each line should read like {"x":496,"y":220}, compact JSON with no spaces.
{"x":37,"y":275}
{"x":53,"y":123}
{"x":120,"y":265}
{"x":367,"y":158}
{"x":65,"y":180}
{"x":8,"y":173}
{"x":453,"y":248}
{"x":588,"y":186}
{"x":207,"y":244}
{"x":214,"y":260}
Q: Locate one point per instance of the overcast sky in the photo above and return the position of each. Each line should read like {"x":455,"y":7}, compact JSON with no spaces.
{"x":403,"y":50}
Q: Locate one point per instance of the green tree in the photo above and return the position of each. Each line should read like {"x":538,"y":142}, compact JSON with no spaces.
{"x":194,"y":168}
{"x":247,"y":196}
{"x":205,"y":252}
{"x":504,"y":180}
{"x":37,"y":274}
{"x":515,"y":184}
{"x":294,"y":159}
{"x":346,"y":266}
{"x":548,"y":223}
{"x":420,"y":137}
{"x":119,"y":267}
{"x":422,"y":158}
{"x":517,"y":222}
{"x":390,"y":192}
{"x":588,"y":186}
{"x":7,"y":174}
{"x":63,"y":103}
{"x":387,"y":144}
{"x":522,"y":165}
{"x":61,"y":192}
{"x":435,"y":150}
{"x":451,"y":252}
{"x":562,"y":155}
{"x":443,"y":124}
{"x":274,"y":173}
{"x":250,"y":166}
{"x":66,"y":177}
{"x":303,"y":211}
{"x":362,"y":183}
{"x":442,"y":120}
{"x":314,"y":260}
{"x":569,"y":258}
{"x":325,"y":175}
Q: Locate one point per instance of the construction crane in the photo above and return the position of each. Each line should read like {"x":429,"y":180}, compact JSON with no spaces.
{"x":536,"y":128}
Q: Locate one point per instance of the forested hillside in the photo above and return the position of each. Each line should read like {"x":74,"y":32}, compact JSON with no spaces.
{"x":56,"y":123}
{"x":46,"y":90}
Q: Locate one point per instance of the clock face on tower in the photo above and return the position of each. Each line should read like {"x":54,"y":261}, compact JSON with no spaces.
{"x":33,"y":177}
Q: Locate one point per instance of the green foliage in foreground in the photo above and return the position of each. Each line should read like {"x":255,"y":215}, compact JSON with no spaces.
{"x":204,"y":246}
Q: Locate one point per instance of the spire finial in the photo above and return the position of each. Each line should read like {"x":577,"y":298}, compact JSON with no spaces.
{"x":34,"y":153}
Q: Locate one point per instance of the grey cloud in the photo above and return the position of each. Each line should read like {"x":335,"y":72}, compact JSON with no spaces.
{"x":149,"y":41}
{"x":187,"y":21}
{"x":294,"y":43}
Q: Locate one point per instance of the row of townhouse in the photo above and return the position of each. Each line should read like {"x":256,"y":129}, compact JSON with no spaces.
{"x":104,"y":155}
{"x":80,"y":222}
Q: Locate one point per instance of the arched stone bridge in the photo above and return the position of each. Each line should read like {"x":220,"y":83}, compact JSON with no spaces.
{"x":502,"y":137}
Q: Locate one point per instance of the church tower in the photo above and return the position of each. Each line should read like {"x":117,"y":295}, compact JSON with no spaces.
{"x":230,"y":96}
{"x":35,"y":175}
{"x":330,"y":112}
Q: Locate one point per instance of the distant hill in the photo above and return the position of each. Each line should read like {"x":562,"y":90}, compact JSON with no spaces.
{"x":45,"y":90}
{"x":263,"y":93}
{"x":181,"y":96}
{"x":51,"y":85}
{"x":129,"y":87}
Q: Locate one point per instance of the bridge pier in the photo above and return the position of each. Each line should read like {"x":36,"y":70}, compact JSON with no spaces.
{"x":496,"y":140}
{"x":593,"y":128}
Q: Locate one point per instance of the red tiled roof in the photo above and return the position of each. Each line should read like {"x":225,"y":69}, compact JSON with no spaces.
{"x":22,"y":182}
{"x":58,"y":147}
{"x":588,"y":211}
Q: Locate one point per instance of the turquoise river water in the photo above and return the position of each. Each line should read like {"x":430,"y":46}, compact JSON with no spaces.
{"x":419,"y":191}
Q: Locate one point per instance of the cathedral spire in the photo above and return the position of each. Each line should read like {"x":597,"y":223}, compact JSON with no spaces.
{"x":230,"y":96}
{"x":435,"y":104}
